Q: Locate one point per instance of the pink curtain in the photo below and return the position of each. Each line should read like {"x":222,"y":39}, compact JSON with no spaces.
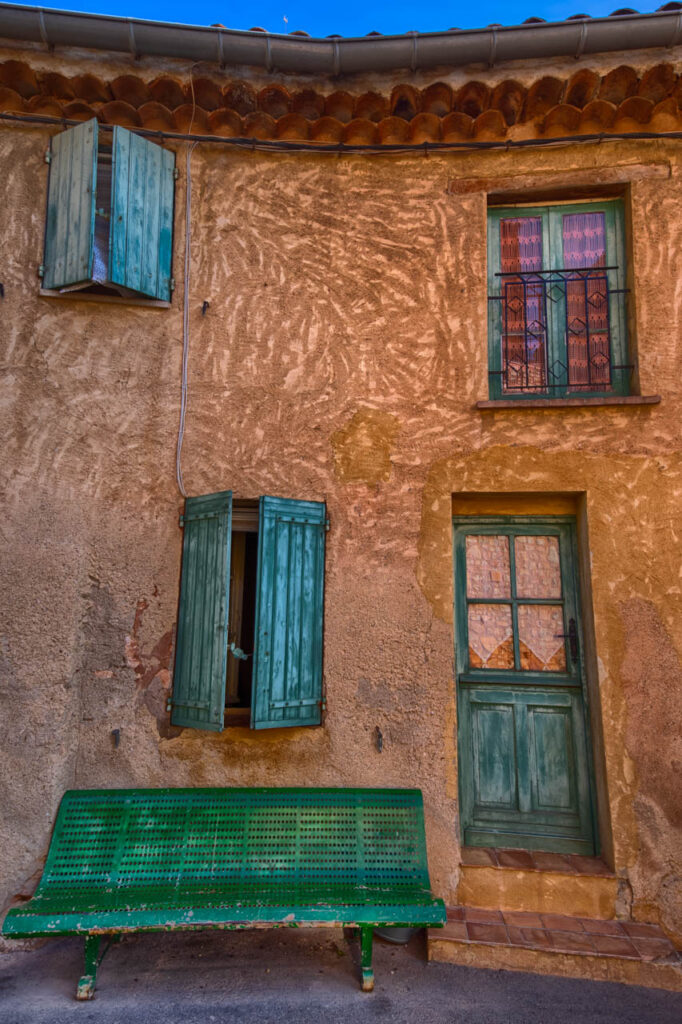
{"x":524,"y":340}
{"x":584,"y":245}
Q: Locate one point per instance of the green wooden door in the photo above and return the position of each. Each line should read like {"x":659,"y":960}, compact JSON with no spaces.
{"x":524,"y":767}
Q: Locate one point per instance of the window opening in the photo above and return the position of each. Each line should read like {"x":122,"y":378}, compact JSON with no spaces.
{"x":275,"y":628}
{"x":557,"y":301}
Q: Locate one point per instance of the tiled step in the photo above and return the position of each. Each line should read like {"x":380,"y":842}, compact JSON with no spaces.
{"x":542,"y":943}
{"x":543,"y":882}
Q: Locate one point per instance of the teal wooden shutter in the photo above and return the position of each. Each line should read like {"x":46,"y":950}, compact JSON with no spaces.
{"x":140,"y":242}
{"x":198,"y":697}
{"x":287,"y":670}
{"x":70,"y":227}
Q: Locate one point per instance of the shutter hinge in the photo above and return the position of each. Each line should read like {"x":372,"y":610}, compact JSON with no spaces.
{"x":326,"y":526}
{"x":48,"y":156}
{"x":323,"y":704}
{"x":181,"y":521}
{"x":176,"y":174}
{"x":172,"y":284}
{"x":41,"y":270}
{"x":169,"y":704}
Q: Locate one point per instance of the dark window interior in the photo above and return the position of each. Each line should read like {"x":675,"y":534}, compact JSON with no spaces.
{"x":243,"y":575}
{"x":246,"y":638}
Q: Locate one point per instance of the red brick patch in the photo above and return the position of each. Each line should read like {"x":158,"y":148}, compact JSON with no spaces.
{"x":522,"y":919}
{"x":589,"y":865}
{"x":478,"y":856}
{"x":495,"y":933}
{"x":572,"y":942}
{"x":598,"y":927}
{"x":652,"y":949}
{"x":561,"y":923}
{"x":614,"y":945}
{"x":553,"y":862}
{"x":515,"y":859}
{"x":558,"y":933}
{"x":479,"y":916}
{"x":537,"y":937}
{"x":644,"y":931}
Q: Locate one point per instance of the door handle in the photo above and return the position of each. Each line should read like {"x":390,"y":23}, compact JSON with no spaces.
{"x":572,"y":637}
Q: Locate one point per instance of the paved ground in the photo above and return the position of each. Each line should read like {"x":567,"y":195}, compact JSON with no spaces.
{"x":300,"y":976}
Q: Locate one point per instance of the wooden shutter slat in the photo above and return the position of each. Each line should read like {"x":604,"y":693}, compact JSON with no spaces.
{"x":70,"y":226}
{"x":287,"y":670}
{"x":142,"y":215}
{"x":198,"y":699}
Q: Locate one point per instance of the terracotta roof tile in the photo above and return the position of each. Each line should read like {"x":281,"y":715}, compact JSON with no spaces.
{"x":130,"y":89}
{"x":240,"y":97}
{"x":120,"y":112}
{"x":156,"y":117}
{"x":327,"y":129}
{"x":584,"y":103}
{"x":618,"y":84}
{"x":394,"y":131}
{"x":168,"y":91}
{"x":340,"y":105}
{"x":373,"y":106}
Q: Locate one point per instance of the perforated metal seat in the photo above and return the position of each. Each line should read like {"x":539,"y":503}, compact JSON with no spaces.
{"x":131,"y":860}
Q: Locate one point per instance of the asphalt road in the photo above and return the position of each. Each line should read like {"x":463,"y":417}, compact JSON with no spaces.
{"x":299,"y":977}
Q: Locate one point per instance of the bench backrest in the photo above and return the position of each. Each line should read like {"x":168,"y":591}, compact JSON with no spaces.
{"x":160,"y":836}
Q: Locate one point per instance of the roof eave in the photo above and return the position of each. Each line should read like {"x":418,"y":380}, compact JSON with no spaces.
{"x":298,"y":54}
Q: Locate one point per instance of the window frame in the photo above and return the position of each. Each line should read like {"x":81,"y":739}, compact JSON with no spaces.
{"x":616,"y":256}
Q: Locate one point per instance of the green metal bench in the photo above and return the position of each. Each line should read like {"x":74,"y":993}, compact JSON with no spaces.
{"x":169,"y":859}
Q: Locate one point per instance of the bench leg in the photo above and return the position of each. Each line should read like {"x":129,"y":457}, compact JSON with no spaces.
{"x":366,"y":936}
{"x":86,"y":985}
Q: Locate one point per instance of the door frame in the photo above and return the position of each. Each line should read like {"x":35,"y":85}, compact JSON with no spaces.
{"x":532,"y":525}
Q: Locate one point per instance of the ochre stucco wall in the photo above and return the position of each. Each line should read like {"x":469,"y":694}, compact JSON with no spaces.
{"x":340,"y":359}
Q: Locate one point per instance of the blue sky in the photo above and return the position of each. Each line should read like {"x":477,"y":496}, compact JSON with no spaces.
{"x":352,"y":17}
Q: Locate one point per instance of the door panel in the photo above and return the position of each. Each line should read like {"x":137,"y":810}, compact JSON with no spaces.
{"x":524,"y":766}
{"x":552,"y":769}
{"x":494,"y":771}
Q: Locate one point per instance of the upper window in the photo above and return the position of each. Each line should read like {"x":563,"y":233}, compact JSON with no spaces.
{"x":556,"y":289}
{"x":250,"y":614}
{"x":109,"y":214}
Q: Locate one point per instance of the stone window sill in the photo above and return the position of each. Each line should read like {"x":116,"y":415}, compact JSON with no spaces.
{"x":566,"y":403}
{"x":116,"y":300}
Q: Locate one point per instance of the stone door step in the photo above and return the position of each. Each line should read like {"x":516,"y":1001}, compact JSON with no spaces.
{"x":548,"y":883}
{"x":578,"y":947}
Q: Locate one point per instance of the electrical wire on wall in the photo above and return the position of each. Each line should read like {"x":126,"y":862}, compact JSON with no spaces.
{"x":185,"y":322}
{"x":185,"y":305}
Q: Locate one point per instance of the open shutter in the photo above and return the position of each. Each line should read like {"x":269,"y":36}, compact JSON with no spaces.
{"x":198,"y":697}
{"x":287,"y":670}
{"x":70,"y":227}
{"x":140,"y":242}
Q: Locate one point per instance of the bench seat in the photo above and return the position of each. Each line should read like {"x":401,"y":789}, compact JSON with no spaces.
{"x":203,"y":906}
{"x":153,"y":860}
